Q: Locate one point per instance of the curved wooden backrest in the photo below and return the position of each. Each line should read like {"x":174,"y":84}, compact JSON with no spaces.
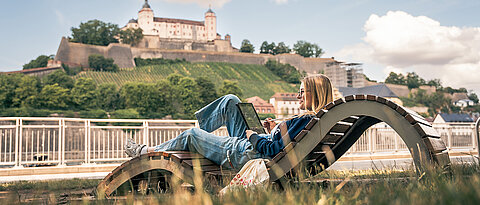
{"x":336,"y":128}
{"x":178,"y":163}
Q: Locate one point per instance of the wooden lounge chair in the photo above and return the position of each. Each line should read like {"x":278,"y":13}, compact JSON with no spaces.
{"x":325,"y":139}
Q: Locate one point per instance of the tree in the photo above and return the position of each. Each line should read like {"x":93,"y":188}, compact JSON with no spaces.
{"x":25,"y":93}
{"x":95,"y":32}
{"x":131,"y":36}
{"x":394,"y":78}
{"x":206,"y":90}
{"x":435,"y":83}
{"x":189,"y":96}
{"x":264,"y":48}
{"x":84,"y":93}
{"x":100,"y":63}
{"x":473,"y":97}
{"x":281,"y":48}
{"x":8,"y":84}
{"x":414,"y":81}
{"x":107,"y":97}
{"x":143,"y":97}
{"x":247,"y":47}
{"x":307,"y":49}
{"x":39,"y":62}
{"x":53,"y":97}
{"x":60,"y":78}
{"x":285,"y":71}
{"x":230,"y":87}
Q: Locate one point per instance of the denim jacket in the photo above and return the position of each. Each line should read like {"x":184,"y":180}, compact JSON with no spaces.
{"x":271,"y":148}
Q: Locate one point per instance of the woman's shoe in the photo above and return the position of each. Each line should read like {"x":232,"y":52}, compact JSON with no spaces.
{"x":133,"y":149}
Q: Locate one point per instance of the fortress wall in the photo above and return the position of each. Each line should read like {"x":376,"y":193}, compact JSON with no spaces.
{"x":77,"y":53}
{"x":123,"y":55}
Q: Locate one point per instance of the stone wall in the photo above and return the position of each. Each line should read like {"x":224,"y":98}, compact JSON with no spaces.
{"x":123,"y":55}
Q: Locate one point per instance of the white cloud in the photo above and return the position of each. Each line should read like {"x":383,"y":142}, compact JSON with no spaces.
{"x":202,"y":3}
{"x":60,"y":17}
{"x":402,"y":42}
{"x":280,"y":1}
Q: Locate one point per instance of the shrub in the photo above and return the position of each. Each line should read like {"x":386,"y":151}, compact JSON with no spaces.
{"x":100,"y":63}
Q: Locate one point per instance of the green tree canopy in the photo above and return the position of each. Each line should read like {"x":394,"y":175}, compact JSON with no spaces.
{"x":8,"y":84}
{"x":60,"y":78}
{"x":206,"y":90}
{"x":84,"y":93}
{"x":230,"y":87}
{"x":27,"y":90}
{"x":267,"y":48}
{"x":95,"y":32}
{"x":108,"y":97}
{"x":131,"y":36}
{"x":247,"y":47}
{"x":307,"y":49}
{"x":53,"y":97}
{"x":100,"y":63}
{"x":473,"y":97}
{"x":281,"y":48}
{"x":285,"y":71}
{"x":39,"y":62}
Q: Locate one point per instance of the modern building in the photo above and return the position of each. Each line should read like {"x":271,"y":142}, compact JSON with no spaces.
{"x":344,"y":74}
{"x":261,"y":106}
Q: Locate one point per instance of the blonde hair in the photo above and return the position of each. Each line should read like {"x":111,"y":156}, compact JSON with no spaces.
{"x":321,"y":92}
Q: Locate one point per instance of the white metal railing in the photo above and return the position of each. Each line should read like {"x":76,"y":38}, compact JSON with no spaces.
{"x":66,"y":141}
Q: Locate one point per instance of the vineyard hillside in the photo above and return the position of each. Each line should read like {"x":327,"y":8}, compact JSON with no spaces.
{"x":254,"y":80}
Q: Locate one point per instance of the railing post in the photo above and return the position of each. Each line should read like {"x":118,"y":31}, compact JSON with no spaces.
{"x":449,"y":136}
{"x":87,"y":144}
{"x":62,"y":144}
{"x":396,"y":141}
{"x":145,"y":133}
{"x":17,"y":147}
{"x":477,"y":129}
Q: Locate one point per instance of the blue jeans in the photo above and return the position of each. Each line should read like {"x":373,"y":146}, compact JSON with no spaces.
{"x":220,"y":112}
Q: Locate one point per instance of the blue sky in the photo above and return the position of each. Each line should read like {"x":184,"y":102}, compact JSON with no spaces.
{"x":437,"y":39}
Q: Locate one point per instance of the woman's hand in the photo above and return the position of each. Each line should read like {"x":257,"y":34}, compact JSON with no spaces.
{"x":269,"y":124}
{"x":249,"y":133}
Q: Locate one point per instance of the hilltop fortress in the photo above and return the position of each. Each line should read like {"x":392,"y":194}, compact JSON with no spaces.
{"x":197,"y":41}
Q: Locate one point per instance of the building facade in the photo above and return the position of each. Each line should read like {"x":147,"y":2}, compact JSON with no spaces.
{"x":261,"y":106}
{"x":170,"y":28}
{"x":285,"y":104}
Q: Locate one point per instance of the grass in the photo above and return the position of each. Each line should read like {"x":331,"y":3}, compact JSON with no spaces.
{"x":458,"y":185}
{"x":254,"y":80}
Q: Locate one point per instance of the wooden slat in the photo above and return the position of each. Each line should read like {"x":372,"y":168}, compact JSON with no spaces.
{"x":442,"y":159}
{"x":381,"y":100}
{"x":321,"y":113}
{"x":276,"y":158}
{"x":392,"y":104}
{"x":340,"y":128}
{"x":371,"y":97}
{"x":413,"y":119}
{"x":349,"y":98}
{"x":289,"y":147}
{"x":401,"y":111}
{"x":339,"y":101}
{"x":360,"y":97}
{"x":426,"y":131}
{"x":351,"y":119}
{"x":185,"y":156}
{"x":203,"y":162}
{"x":300,"y":135}
{"x":329,"y":106}
{"x":168,"y":153}
{"x":331,"y":138}
{"x":310,"y":124}
{"x":435,"y":145}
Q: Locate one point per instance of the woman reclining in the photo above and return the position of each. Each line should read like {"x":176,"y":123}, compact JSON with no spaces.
{"x":241,"y":145}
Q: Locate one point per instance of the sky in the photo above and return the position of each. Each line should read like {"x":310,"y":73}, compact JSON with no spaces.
{"x":437,"y":39}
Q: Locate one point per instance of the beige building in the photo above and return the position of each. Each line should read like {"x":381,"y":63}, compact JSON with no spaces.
{"x":261,"y":106}
{"x":285,"y":104}
{"x":175,"y":28}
